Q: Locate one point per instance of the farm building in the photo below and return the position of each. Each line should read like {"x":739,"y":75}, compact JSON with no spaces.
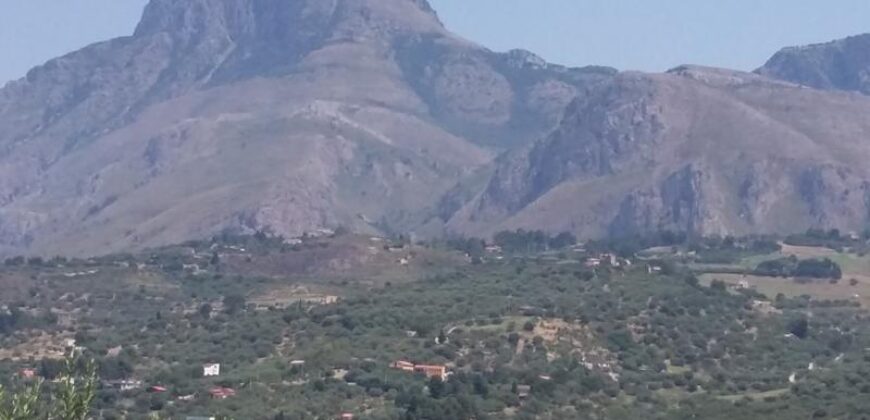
{"x":211,"y":369}
{"x":431,"y":371}
{"x":220,"y":393}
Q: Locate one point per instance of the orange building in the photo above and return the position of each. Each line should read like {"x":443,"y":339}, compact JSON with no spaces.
{"x":431,"y":371}
{"x":219,"y":393}
{"x":403,"y":365}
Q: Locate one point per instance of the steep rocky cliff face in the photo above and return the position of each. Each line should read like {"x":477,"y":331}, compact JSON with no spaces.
{"x":842,"y":65}
{"x":700,"y":150}
{"x":287,"y":116}
{"x":292,"y":116}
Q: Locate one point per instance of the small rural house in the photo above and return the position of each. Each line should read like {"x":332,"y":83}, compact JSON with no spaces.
{"x":403,"y":365}
{"x":523,"y":391}
{"x":494,"y":249}
{"x":125,"y":384}
{"x":211,"y":369}
{"x":328,"y":300}
{"x":220,"y":393}
{"x":431,"y":371}
{"x":298,"y":366}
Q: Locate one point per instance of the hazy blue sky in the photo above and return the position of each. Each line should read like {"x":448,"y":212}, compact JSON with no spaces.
{"x":651,"y":35}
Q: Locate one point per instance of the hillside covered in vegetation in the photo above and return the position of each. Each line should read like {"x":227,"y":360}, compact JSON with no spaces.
{"x":380,"y":328}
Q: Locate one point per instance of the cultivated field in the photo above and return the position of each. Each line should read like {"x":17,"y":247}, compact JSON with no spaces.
{"x":818,"y":289}
{"x":853,"y":265}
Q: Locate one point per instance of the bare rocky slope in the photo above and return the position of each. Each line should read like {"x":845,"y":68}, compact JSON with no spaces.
{"x":838,"y":65}
{"x":696,"y":149}
{"x":286,"y":116}
{"x":291,"y":116}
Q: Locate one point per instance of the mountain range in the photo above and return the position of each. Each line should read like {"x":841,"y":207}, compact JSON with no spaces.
{"x":290,"y":116}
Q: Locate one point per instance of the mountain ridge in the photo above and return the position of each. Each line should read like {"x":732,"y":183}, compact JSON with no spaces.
{"x":293,"y":117}
{"x":280,"y":116}
{"x":700,"y":150}
{"x":842,"y":64}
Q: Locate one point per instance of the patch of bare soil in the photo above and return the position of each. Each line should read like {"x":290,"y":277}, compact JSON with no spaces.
{"x":36,"y":345}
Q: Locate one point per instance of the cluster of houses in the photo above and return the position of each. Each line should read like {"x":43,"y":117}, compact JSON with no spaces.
{"x":81,"y":273}
{"x":124,"y":384}
{"x":211,"y":370}
{"x":608,"y":259}
{"x":395,"y":248}
{"x":614,"y":261}
{"x":208,"y":370}
{"x":430,"y":371}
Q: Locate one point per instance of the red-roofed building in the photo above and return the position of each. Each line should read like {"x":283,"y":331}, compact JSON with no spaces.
{"x":27,"y":373}
{"x":220,"y":393}
{"x":403,"y":365}
{"x":157,"y":389}
{"x":433,"y":371}
{"x":346,"y":416}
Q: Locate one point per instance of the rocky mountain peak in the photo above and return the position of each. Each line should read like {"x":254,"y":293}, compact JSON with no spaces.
{"x":285,"y":116}
{"x":259,"y":20}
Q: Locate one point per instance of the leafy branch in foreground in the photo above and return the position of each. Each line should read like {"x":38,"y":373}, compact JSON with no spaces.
{"x":70,"y":400}
{"x":75,"y":394}
{"x":22,"y":405}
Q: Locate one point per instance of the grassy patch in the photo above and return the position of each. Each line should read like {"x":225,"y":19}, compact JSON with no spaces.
{"x":852,"y":264}
{"x":483,"y":325}
{"x":677,"y":370}
{"x":755,"y":395}
{"x":819,"y":289}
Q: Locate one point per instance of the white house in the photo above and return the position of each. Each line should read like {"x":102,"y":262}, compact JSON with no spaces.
{"x":129,"y":385}
{"x":211,"y":369}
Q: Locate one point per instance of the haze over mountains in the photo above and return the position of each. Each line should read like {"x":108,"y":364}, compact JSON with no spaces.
{"x":291,"y":116}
